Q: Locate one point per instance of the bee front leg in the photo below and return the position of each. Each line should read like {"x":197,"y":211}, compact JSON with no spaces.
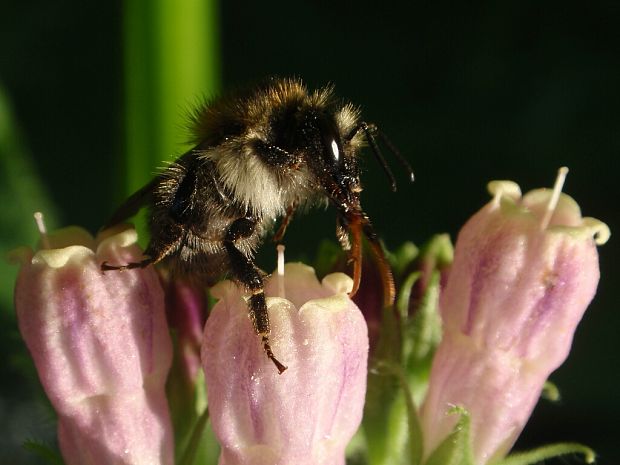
{"x":245,"y":272}
{"x":290,"y":211}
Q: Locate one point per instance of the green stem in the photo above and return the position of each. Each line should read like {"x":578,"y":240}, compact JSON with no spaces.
{"x":546,"y":452}
{"x":171,"y":61}
{"x":190,"y":453}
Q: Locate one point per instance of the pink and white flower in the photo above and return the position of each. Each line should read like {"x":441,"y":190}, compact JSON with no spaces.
{"x":101,"y":346}
{"x":308,"y":414}
{"x":525,"y":269}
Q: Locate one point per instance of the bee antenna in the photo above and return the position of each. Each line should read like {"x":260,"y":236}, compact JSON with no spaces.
{"x":370,"y":130}
{"x":403,"y":161}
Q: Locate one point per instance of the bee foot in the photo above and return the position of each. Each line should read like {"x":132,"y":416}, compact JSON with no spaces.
{"x":281,"y":368}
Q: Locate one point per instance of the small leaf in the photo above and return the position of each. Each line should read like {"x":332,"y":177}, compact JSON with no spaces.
{"x":404,"y":294}
{"x":422,"y":334}
{"x":550,"y":392}
{"x":546,"y":452}
{"x":402,"y":257}
{"x":424,"y":329}
{"x":456,"y":448}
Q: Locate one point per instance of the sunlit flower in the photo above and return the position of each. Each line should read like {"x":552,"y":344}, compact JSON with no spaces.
{"x":525,"y":270}
{"x":308,"y":414}
{"x":101,"y":347}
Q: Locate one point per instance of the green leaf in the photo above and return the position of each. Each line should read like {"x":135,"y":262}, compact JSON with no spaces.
{"x":43,"y":451}
{"x":440,"y":248}
{"x":404,"y":294}
{"x":456,"y":448}
{"x":423,"y":331}
{"x":546,"y":452}
{"x":402,"y":258}
{"x":413,"y":421}
{"x":194,"y":439}
{"x":422,"y":334}
{"x":550,"y":392}
{"x":385,"y":418}
{"x":191,"y":453}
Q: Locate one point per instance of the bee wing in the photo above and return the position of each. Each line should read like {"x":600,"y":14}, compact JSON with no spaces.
{"x":133,"y":204}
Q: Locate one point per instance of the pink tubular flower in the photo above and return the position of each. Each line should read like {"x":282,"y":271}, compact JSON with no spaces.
{"x":308,"y":414}
{"x":101,"y":347}
{"x":524,"y":271}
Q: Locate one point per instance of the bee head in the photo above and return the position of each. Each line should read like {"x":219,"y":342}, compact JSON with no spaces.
{"x":313,"y":135}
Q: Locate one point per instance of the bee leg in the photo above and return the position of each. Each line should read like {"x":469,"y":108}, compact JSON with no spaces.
{"x":154,"y":253}
{"x":245,"y":272}
{"x":129,"y":266}
{"x":285,"y":222}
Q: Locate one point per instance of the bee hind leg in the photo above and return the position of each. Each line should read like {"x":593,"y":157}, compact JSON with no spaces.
{"x":245,"y":272}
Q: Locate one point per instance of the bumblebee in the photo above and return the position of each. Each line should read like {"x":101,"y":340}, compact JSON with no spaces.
{"x":259,"y":155}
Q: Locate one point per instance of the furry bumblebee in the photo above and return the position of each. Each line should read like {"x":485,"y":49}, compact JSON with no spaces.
{"x":258,"y":155}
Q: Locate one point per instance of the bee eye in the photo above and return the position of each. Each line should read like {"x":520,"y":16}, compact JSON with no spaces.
{"x":332,"y":151}
{"x":335,"y":152}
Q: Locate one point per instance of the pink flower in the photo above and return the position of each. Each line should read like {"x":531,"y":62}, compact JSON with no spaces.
{"x":308,"y":414}
{"x":524,"y":273}
{"x":101,"y":347}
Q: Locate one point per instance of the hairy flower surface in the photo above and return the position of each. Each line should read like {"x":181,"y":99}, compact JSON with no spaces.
{"x":308,"y":414}
{"x":101,"y":347}
{"x":522,"y":277}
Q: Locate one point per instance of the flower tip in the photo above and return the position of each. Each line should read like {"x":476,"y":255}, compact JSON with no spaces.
{"x":121,"y":236}
{"x":338,"y":283}
{"x":58,"y":258}
{"x":590,"y":456}
{"x":299,"y":270}
{"x":504,"y":189}
{"x":599,"y":230}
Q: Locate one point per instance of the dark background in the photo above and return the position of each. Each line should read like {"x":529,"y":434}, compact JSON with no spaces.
{"x":502,"y":90}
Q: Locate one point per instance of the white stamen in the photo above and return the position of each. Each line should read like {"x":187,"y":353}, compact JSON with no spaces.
{"x":38,"y":218}
{"x":280,"y":249}
{"x":555,"y":197}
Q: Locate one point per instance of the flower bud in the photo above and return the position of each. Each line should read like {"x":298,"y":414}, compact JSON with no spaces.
{"x":308,"y":414}
{"x":101,"y":347}
{"x":524,"y":272}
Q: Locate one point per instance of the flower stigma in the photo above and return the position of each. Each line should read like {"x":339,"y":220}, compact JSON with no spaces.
{"x":280,"y":249}
{"x":555,"y":197}
{"x":40,"y":220}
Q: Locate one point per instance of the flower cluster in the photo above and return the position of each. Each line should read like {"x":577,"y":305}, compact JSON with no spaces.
{"x":455,"y":369}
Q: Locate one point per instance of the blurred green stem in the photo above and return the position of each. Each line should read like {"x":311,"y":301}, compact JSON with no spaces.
{"x":171,"y":61}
